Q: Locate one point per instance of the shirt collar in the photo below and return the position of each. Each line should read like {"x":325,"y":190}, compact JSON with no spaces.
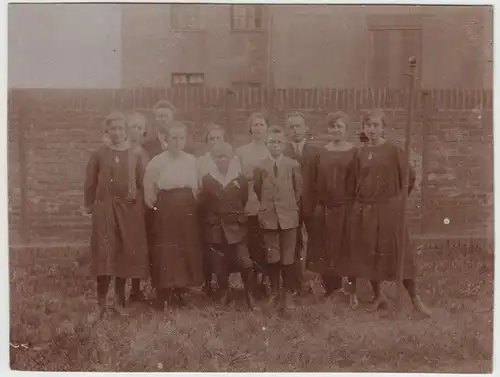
{"x":232,"y":173}
{"x":300,"y":145}
{"x":276,"y":160}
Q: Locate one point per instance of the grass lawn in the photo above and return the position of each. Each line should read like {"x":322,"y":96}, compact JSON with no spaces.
{"x":51,"y":298}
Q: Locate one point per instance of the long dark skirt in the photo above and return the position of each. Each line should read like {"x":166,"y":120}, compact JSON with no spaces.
{"x":375,"y":242}
{"x":118,"y":242}
{"x":328,"y":251}
{"x":177,"y":252}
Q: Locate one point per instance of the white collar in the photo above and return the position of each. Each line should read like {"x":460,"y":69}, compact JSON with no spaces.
{"x":232,"y":173}
{"x":276,"y":160}
{"x":299,"y":145}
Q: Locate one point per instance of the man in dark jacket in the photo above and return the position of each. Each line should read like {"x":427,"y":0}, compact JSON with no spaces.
{"x":165,"y":113}
{"x":301,"y":150}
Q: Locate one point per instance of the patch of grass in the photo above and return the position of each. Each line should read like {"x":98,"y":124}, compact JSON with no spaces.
{"x":51,"y":299}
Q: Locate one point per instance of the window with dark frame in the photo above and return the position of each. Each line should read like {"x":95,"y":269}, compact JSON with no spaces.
{"x":186,"y":17}
{"x":247,"y":17}
{"x":188,"y":79}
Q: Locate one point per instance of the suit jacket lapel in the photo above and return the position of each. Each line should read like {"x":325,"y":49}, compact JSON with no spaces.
{"x":283,"y":168}
{"x":270,"y":170}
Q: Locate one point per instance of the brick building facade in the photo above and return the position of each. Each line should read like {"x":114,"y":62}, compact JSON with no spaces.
{"x":311,"y":46}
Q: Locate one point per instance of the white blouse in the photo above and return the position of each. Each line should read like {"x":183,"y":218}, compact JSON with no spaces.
{"x":165,"y":173}
{"x":251,"y":156}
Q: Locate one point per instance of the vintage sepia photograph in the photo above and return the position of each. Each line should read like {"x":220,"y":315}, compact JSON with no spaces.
{"x":250,"y":187}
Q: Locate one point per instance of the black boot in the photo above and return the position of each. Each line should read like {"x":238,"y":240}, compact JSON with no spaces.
{"x":119,"y":304}
{"x":136,"y":294}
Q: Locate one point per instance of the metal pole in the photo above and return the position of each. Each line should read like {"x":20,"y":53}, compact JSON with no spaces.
{"x":412,"y":63}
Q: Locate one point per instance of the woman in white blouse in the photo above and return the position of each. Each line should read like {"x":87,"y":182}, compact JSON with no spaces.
{"x":250,"y":156}
{"x":170,"y":189}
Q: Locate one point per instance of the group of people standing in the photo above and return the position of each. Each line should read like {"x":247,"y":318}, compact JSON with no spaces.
{"x":269,"y":210}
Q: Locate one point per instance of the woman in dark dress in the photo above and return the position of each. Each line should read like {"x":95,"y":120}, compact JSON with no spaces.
{"x":333,"y":190}
{"x":170,"y":189}
{"x":375,"y":240}
{"x":113,"y":195}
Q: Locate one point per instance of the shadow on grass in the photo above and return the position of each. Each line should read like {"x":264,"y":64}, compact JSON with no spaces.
{"x":51,"y":297}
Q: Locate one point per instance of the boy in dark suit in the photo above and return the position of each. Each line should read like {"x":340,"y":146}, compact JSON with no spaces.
{"x":222,"y":200}
{"x":278,"y":185}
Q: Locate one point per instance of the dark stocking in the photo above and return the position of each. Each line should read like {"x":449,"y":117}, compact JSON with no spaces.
{"x":411,"y":287}
{"x":376,"y":290}
{"x":246,"y":276}
{"x":136,"y":286}
{"x":120,"y":291}
{"x":103,"y":282}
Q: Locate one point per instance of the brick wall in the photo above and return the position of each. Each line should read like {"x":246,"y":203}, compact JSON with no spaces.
{"x":52,"y":133}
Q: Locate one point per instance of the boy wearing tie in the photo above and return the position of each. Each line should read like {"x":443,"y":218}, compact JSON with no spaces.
{"x":278,"y":185}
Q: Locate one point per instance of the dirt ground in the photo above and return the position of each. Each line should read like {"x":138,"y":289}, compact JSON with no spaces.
{"x":52,"y":297}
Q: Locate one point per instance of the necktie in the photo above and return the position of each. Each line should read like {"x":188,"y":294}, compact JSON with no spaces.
{"x":297,"y":149}
{"x":275,"y":169}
